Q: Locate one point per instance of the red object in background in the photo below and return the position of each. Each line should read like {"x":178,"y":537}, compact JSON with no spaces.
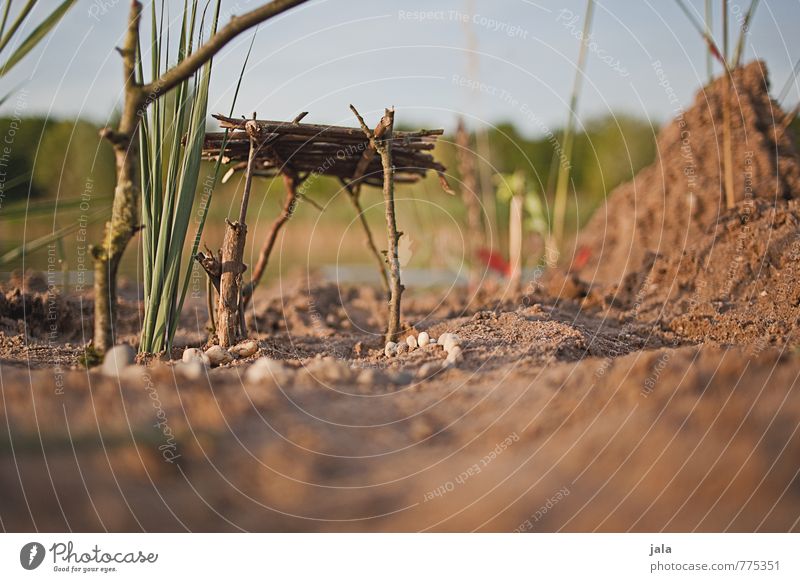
{"x":581,"y":258}
{"x":494,"y":261}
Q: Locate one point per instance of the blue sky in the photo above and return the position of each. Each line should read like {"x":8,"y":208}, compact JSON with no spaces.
{"x":416,"y":56}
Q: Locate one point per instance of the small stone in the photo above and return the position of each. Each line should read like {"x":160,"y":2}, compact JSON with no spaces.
{"x":267,"y":370}
{"x":117,"y":359}
{"x":218,"y":356}
{"x":194,"y":354}
{"x":412,"y":342}
{"x":390,"y":349}
{"x":423,"y":339}
{"x":402,"y":348}
{"x":244,"y":349}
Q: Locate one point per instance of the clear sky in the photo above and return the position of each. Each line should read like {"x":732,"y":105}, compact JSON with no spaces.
{"x":416,"y":56}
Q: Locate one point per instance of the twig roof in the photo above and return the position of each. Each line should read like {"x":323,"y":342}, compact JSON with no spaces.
{"x":303,"y":149}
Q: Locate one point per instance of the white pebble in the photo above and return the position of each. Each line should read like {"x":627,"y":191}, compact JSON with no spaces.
{"x":195,"y":355}
{"x":218,"y":356}
{"x":423,"y":339}
{"x":454,"y":355}
{"x":117,"y":359}
{"x":244,"y":349}
{"x":412,"y":342}
{"x":390,"y":349}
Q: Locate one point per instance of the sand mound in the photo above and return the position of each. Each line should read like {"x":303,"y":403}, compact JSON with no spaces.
{"x":681,"y":195}
{"x":737,"y":284}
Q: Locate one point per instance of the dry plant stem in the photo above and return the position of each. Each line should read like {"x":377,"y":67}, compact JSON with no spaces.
{"x":124,"y":218}
{"x":730,"y":198}
{"x":554,"y":242}
{"x":354,"y":190}
{"x":230,"y":311}
{"x":369,"y":238}
{"x":124,"y":213}
{"x":393,"y":236}
{"x":290,"y":183}
{"x":212,"y":324}
{"x":228,"y":325}
{"x":515,"y":242}
{"x":469,"y":194}
{"x":384,"y":149}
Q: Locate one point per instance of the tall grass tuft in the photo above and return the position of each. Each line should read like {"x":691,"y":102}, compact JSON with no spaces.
{"x":171,"y":141}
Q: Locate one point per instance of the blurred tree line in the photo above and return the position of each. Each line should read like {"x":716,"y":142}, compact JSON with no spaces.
{"x":55,"y":158}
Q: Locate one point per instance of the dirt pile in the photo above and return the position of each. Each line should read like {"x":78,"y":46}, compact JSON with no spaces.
{"x":681,"y":195}
{"x":737,"y":284}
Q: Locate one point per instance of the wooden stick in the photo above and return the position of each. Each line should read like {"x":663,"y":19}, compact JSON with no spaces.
{"x":370,"y":240}
{"x":290,"y":183}
{"x":469,"y":194}
{"x":384,"y":149}
{"x":515,"y":241}
{"x":230,"y":311}
{"x":229,"y":328}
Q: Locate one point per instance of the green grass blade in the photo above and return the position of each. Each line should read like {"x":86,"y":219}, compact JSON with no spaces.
{"x":562,"y":181}
{"x":43,"y":241}
{"x":17,"y":23}
{"x":36,"y":36}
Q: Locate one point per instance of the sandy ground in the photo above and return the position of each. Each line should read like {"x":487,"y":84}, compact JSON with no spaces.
{"x":559,"y":418}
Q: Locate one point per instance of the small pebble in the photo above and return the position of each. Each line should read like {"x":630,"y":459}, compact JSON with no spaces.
{"x":402,"y":348}
{"x":412,"y":342}
{"x":390,"y":349}
{"x":244,"y":349}
{"x":424,"y":339}
{"x":117,"y":359}
{"x":194,"y":354}
{"x":218,"y":356}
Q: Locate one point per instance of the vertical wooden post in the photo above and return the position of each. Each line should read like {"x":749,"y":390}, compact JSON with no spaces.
{"x":396,"y":288}
{"x":230,"y":324}
{"x":384,"y":148}
{"x":515,"y":241}
{"x":470,"y":194}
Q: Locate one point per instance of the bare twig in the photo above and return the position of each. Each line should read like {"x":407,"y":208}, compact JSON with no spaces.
{"x":237,"y":25}
{"x":384,"y":149}
{"x":290,"y":183}
{"x":370,"y":240}
{"x":470,"y":196}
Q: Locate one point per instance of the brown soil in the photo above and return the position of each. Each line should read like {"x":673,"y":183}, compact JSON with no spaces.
{"x":654,"y":389}
{"x":681,"y":195}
